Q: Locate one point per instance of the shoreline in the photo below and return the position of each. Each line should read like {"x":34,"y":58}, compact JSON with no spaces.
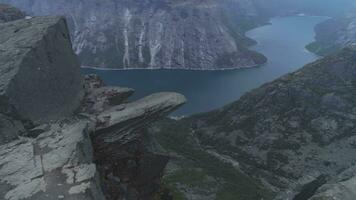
{"x":183,"y":69}
{"x":218,"y":69}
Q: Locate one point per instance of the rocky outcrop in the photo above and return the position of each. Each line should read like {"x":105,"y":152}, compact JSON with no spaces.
{"x":156,"y":34}
{"x":341,"y":187}
{"x":128,"y":170}
{"x":8,"y":13}
{"x":36,"y":53}
{"x":296,"y":134}
{"x":94,"y":153}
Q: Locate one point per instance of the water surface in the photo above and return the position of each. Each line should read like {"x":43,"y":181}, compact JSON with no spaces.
{"x":282,"y":42}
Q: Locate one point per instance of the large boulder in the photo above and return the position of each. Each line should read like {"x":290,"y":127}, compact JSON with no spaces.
{"x":40,"y":76}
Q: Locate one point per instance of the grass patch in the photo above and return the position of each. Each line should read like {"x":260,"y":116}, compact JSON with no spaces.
{"x":189,"y":177}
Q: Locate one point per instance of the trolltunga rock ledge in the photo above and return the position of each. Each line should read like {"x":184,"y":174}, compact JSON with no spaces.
{"x":61,"y":153}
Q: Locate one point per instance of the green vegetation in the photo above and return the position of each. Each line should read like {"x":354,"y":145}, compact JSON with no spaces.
{"x":189,"y":177}
{"x":169,"y":191}
{"x":237,"y":26}
{"x":320,"y":49}
{"x":198,"y":165}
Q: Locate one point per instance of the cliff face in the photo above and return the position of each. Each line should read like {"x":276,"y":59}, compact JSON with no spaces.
{"x":79,"y":139}
{"x":40,"y":77}
{"x":294,"y":135}
{"x":46,"y":61}
{"x":156,"y":33}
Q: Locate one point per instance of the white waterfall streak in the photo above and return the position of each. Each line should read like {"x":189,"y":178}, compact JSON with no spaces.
{"x":155,"y":44}
{"x":127,"y":19}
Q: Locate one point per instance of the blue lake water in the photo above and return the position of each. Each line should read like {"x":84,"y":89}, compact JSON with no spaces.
{"x":282,"y":42}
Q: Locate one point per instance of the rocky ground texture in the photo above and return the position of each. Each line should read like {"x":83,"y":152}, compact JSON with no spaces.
{"x":63,"y":136}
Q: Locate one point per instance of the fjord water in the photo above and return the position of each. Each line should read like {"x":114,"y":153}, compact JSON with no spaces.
{"x":282,"y":42}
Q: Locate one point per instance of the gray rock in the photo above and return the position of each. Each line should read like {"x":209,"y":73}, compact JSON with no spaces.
{"x":127,"y":168}
{"x":127,"y":118}
{"x":10,"y":129}
{"x":39,"y":73}
{"x":46,"y":149}
{"x":57,"y":163}
{"x":100,"y":99}
{"x":343,"y":190}
{"x":9,"y":13}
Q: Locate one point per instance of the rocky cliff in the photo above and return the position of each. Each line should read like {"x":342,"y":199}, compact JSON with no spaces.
{"x":184,"y":34}
{"x":63,"y":136}
{"x":293,"y":138}
{"x":36,"y":72}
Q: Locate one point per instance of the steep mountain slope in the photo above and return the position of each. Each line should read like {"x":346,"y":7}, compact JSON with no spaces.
{"x":334,"y":34}
{"x":293,"y":135}
{"x":156,"y":33}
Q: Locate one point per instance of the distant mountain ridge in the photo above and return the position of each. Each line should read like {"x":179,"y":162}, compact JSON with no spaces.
{"x":334,"y":34}
{"x":185,"y":34}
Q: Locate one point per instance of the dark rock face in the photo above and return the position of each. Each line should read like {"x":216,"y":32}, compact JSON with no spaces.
{"x":154,"y":34}
{"x":292,"y":131}
{"x":8,"y":13}
{"x":39,"y":72}
{"x":128,"y":170}
{"x":10,"y":129}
